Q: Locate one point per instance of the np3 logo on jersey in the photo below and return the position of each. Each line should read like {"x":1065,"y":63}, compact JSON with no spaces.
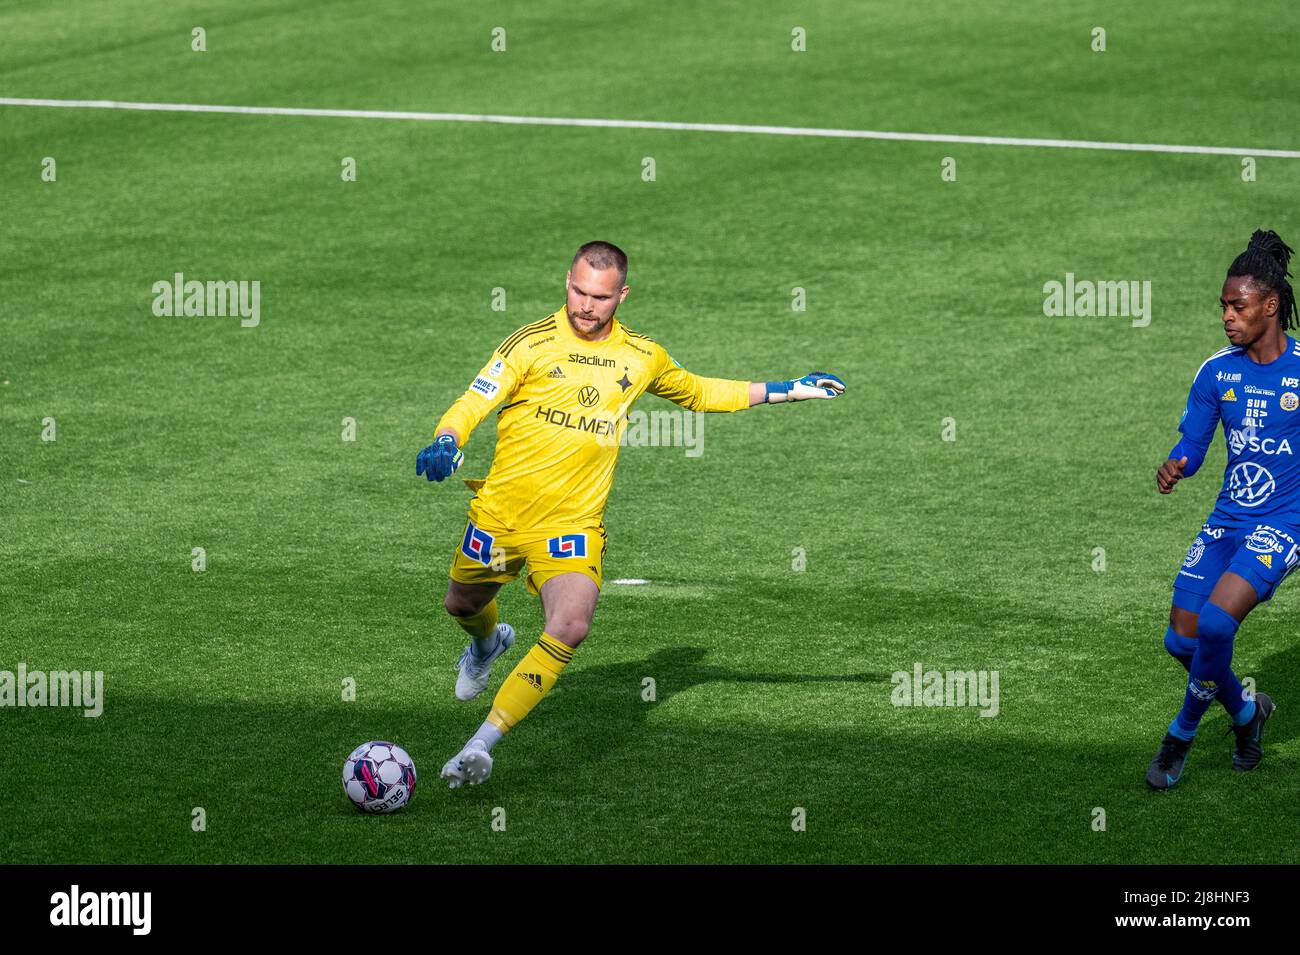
{"x":1250,"y":484}
{"x":1194,"y":554}
{"x":568,"y":545}
{"x":477,"y":545}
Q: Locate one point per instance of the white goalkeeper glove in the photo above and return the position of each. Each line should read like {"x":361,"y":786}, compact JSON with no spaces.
{"x":817,"y":384}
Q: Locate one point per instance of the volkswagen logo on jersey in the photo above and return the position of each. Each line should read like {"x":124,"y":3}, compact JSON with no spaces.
{"x":1194,"y":554}
{"x":588,"y":396}
{"x":1250,"y":484}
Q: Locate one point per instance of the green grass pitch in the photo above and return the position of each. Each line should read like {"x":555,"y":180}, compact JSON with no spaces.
{"x":326,"y":559}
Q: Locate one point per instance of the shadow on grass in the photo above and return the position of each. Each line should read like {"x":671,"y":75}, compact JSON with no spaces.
{"x":602,"y":707}
{"x":599,"y":774}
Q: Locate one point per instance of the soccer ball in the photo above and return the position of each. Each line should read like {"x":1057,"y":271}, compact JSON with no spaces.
{"x":379,"y":777}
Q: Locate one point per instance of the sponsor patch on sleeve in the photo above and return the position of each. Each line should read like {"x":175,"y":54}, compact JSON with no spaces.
{"x":485,"y":386}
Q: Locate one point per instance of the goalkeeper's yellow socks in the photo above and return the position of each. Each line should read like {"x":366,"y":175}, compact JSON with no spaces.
{"x":482,"y":628}
{"x":524,"y":688}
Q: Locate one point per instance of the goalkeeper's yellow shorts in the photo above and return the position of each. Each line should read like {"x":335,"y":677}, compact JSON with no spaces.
{"x":490,"y":556}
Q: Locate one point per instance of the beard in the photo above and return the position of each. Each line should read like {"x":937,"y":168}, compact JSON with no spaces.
{"x":593,"y":318}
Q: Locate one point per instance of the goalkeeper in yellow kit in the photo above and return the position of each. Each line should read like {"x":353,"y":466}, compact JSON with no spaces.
{"x":567,"y":382}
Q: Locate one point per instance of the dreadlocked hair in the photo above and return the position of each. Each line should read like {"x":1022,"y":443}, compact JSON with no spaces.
{"x":1265,"y":260}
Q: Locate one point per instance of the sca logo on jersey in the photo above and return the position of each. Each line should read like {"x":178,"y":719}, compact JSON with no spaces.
{"x":1240,"y":440}
{"x":1250,"y":484}
{"x":588,"y":396}
{"x":1194,"y":553}
{"x":1290,"y":401}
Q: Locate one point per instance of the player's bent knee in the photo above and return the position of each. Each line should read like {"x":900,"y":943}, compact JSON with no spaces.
{"x":458,"y":606}
{"x":571,"y":631}
{"x":1182,"y":622}
{"x":1216,"y":626}
{"x":1178,"y":645}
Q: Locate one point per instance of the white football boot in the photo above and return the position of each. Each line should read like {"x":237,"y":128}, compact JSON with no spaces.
{"x":474,"y":672}
{"x":472,"y":765}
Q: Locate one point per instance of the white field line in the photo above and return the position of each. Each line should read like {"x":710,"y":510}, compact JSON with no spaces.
{"x":652,"y":124}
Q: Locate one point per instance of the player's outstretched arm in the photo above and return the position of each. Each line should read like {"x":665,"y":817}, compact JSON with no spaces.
{"x":721,"y":394}
{"x":816,"y":384}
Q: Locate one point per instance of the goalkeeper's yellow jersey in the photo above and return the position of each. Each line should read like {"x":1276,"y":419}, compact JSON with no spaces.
{"x":564,"y":413}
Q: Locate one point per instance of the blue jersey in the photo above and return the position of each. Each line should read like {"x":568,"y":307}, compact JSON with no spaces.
{"x":1259,"y":406}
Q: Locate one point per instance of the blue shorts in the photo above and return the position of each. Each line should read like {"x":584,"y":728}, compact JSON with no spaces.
{"x":1262,"y":553}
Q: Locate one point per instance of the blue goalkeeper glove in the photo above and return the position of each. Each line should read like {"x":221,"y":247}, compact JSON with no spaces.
{"x":439,"y":460}
{"x":816,"y":384}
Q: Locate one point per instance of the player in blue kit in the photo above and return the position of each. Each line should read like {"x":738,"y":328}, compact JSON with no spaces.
{"x":1251,"y":540}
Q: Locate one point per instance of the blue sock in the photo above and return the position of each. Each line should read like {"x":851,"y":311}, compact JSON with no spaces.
{"x":1211,"y":669}
{"x":1246,"y":714}
{"x":1230,"y":693}
{"x":1180,"y":648}
{"x":1233,"y":697}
